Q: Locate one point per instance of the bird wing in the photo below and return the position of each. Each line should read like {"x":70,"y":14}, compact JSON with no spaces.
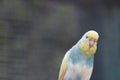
{"x":63,"y":67}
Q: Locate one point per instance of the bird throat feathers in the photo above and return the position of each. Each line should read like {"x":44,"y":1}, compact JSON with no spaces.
{"x":85,"y":48}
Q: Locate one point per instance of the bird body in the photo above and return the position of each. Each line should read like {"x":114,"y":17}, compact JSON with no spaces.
{"x":78,"y":65}
{"x":78,"y":62}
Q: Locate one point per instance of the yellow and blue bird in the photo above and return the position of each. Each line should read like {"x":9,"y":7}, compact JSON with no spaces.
{"x":78,"y":62}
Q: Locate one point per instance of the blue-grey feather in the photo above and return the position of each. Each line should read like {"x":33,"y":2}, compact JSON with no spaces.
{"x":76,"y":55}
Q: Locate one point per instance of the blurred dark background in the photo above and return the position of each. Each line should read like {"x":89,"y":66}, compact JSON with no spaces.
{"x":35,"y":34}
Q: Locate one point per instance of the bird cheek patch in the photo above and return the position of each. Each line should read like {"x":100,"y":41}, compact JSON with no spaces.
{"x":84,"y":46}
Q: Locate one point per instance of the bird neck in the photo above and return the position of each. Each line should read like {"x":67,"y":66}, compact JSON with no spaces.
{"x":84,"y":47}
{"x":78,"y":55}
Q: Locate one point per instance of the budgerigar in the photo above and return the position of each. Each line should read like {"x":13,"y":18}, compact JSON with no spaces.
{"x":78,"y":62}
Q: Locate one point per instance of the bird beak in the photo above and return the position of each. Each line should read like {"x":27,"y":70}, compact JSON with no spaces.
{"x":91,"y":42}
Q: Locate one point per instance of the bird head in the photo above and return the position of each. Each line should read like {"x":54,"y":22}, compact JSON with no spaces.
{"x":88,"y":42}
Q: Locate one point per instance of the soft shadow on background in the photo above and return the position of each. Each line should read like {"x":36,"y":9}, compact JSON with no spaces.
{"x":35,"y":34}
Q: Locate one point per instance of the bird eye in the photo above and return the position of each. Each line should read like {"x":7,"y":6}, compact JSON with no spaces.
{"x":86,"y":36}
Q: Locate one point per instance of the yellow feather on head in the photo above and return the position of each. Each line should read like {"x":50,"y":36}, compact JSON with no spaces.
{"x":92,"y":34}
{"x":84,"y":45}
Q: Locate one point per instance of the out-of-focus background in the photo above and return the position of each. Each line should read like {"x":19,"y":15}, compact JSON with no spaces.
{"x":35,"y":34}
